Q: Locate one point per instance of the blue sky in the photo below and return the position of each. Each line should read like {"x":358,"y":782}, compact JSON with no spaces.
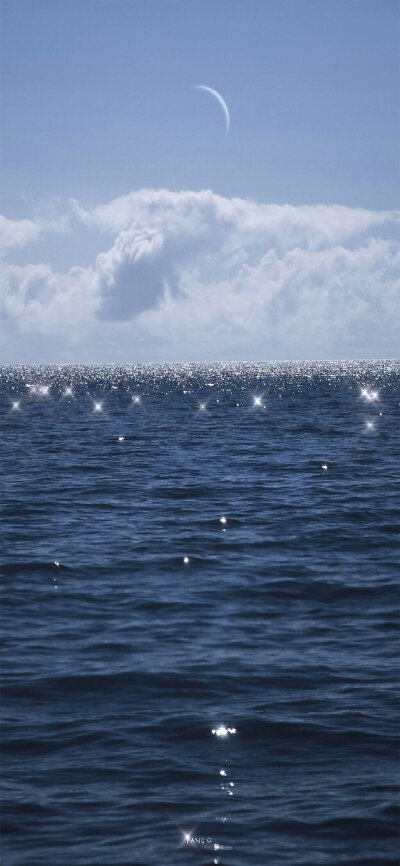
{"x":98,"y":104}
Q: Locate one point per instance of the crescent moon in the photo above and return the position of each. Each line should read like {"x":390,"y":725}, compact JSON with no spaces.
{"x":219,"y":99}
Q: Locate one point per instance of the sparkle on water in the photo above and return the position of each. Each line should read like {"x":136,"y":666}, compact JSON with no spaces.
{"x":222,"y":731}
{"x":187,"y":836}
{"x":369,"y":395}
{"x":147,"y":378}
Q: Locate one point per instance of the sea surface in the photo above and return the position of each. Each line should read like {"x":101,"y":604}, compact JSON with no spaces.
{"x":190,"y":549}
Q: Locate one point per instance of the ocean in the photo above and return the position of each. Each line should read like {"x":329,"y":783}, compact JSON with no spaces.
{"x":200,"y":614}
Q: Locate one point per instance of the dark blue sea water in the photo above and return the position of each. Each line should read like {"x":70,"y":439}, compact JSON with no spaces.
{"x":120,"y":658}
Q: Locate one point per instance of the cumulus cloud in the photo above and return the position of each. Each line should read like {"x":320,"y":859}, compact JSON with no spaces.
{"x":20,"y":233}
{"x":17,"y":233}
{"x":205,"y":210}
{"x":40,"y":301}
{"x":194,"y":274}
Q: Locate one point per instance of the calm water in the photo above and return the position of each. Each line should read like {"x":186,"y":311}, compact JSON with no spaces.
{"x":121,"y":658}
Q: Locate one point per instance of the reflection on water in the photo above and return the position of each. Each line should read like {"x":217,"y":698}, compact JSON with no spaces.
{"x":219,"y":660}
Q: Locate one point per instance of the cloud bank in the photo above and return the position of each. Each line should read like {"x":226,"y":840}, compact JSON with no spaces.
{"x":194,"y":275}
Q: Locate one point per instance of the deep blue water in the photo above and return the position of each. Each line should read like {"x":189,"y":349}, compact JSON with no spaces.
{"x":120,"y":659}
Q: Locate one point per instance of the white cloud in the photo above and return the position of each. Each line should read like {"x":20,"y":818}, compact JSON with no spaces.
{"x":20,"y":233}
{"x":328,"y":303}
{"x":17,"y":233}
{"x":36,"y":300}
{"x":193,"y":274}
{"x":204,"y":211}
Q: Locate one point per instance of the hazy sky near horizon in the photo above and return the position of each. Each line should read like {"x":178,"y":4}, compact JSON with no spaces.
{"x":135,"y":229}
